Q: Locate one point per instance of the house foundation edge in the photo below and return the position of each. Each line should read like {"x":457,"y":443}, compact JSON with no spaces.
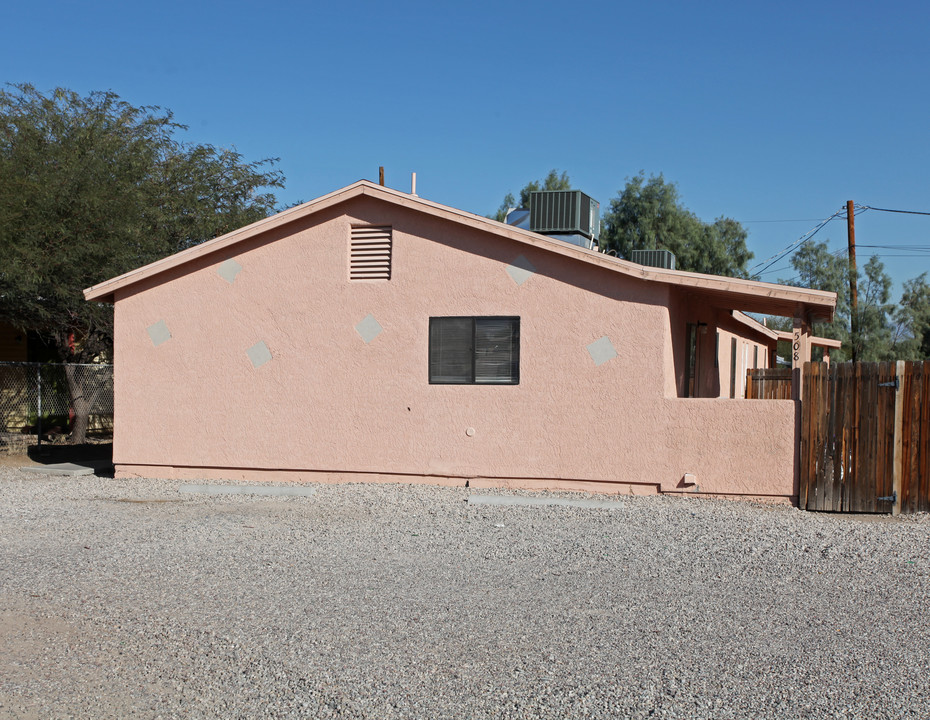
{"x":260,"y":476}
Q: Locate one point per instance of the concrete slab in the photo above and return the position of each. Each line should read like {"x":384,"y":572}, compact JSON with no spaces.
{"x":65,"y":469}
{"x":506,"y":500}
{"x":273,"y":490}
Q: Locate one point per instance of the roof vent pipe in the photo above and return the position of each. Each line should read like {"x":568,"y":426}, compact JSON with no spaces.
{"x":413,"y":184}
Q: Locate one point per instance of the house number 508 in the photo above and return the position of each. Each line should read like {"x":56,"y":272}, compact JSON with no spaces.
{"x":797,"y":346}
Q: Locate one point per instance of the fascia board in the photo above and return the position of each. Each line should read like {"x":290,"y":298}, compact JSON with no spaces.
{"x":822,"y":302}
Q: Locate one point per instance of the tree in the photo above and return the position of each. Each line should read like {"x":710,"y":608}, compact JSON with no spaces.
{"x":874,"y":340}
{"x":552,"y":181}
{"x":911,"y":339}
{"x":92,"y":187}
{"x":818,"y":268}
{"x":649,"y":215}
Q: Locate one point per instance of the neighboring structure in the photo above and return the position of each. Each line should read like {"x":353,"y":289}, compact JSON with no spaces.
{"x":24,"y":346}
{"x":14,"y":346}
{"x":743,"y":343}
{"x":374,"y":335}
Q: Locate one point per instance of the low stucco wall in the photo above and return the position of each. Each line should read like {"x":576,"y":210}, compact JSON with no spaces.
{"x":723,"y":447}
{"x":743,"y":447}
{"x":329,"y":403}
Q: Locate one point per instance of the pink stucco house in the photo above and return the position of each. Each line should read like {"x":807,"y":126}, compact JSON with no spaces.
{"x":374,"y":335}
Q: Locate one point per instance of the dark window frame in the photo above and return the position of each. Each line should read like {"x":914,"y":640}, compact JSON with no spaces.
{"x":691,"y":359}
{"x":472,"y":379}
{"x":733,"y":368}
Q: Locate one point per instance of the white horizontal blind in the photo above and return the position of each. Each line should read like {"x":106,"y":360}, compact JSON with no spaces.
{"x":370,"y":253}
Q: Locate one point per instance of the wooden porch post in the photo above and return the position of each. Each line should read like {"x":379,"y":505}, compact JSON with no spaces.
{"x":800,"y":350}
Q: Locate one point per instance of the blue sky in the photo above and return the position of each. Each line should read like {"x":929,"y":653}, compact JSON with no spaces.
{"x":759,"y":111}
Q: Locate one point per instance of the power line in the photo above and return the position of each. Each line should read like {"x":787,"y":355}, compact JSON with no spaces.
{"x":902,"y":250}
{"x":903,"y":212}
{"x":781,"y":221}
{"x":768,"y":262}
{"x":835,"y":253}
{"x":898,"y":255}
{"x":858,"y":210}
{"x":921,"y":248}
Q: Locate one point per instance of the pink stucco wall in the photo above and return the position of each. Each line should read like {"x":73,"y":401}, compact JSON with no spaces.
{"x":752,"y":352}
{"x":328,"y":405}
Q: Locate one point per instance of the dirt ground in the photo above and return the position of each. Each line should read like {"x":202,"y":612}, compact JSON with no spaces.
{"x":132,"y":598}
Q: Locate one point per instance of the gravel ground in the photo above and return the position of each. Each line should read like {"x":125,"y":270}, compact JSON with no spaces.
{"x":129,"y":599}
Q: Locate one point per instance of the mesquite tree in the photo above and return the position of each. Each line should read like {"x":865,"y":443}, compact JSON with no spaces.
{"x":92,"y":187}
{"x":648,"y":215}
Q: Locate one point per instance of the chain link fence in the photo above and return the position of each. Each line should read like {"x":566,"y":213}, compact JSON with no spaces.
{"x":36,"y":402}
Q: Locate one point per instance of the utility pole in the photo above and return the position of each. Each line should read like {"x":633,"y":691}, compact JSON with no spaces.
{"x":853,"y":283}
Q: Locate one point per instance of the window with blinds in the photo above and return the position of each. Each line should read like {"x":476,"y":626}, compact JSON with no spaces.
{"x":370,"y":252}
{"x":474,"y":350}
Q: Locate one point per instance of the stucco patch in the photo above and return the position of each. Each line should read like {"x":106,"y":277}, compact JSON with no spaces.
{"x":259,"y":354}
{"x":521,"y":270}
{"x":159,"y":333}
{"x":369,"y":328}
{"x":602,"y":350}
{"x":228,"y":270}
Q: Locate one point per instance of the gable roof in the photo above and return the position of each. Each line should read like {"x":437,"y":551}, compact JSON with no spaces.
{"x":733,"y":293}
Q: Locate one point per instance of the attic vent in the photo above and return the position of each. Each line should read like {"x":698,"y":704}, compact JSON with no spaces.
{"x":370,"y":253}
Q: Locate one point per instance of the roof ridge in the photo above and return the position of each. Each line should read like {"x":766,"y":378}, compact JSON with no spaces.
{"x":821,"y":301}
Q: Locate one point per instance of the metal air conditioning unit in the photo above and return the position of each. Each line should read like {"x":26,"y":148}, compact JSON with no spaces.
{"x":565,"y":212}
{"x":654,"y":258}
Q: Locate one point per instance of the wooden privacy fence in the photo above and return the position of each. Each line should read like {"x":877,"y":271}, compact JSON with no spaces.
{"x":865,"y":437}
{"x":768,"y":384}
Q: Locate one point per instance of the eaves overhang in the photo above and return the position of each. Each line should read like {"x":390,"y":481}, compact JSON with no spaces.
{"x":730,"y":293}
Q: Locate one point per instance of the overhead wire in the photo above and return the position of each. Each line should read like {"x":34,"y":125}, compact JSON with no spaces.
{"x":902,"y":250}
{"x":916,"y":248}
{"x":746,"y":222}
{"x":903,"y":212}
{"x":835,"y":253}
{"x":768,"y":262}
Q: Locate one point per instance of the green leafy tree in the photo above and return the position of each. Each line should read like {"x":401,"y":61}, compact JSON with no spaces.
{"x":92,"y":187}
{"x":912,"y":321}
{"x":818,"y":268}
{"x":552,"y":181}
{"x":873,"y":340}
{"x":648,"y":214}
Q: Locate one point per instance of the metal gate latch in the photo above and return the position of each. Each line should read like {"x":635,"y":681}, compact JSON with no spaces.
{"x":889,"y":498}
{"x":896,"y":385}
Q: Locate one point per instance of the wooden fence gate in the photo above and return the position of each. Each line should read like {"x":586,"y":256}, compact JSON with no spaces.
{"x":865,"y":437}
{"x":768,"y":384}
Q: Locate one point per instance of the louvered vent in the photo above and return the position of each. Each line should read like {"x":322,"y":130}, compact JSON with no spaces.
{"x":370,"y":253}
